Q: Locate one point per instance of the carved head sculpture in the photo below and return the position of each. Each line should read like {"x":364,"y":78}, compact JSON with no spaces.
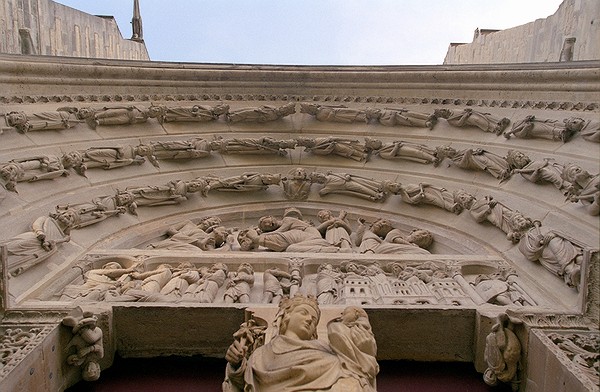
{"x":306,"y":141}
{"x":391,"y":187}
{"x":575,"y":174}
{"x":324,"y":215}
{"x":219,"y":267}
{"x":309,"y":108}
{"x":464,"y":198}
{"x":324,"y":266}
{"x":421,"y":238}
{"x":155,"y":111}
{"x":373,"y":144}
{"x":516,"y":159}
{"x":298,"y":174}
{"x":287,"y":109}
{"x":15,"y":119}
{"x":11,"y":171}
{"x":220,"y":109}
{"x":445,"y":151}
{"x":144,"y":150}
{"x":124,"y":199}
{"x":91,"y":371}
{"x":381,"y":227}
{"x":298,"y":317}
{"x":197,"y":185}
{"x":246,"y":239}
{"x":72,"y":159}
{"x":209,"y":223}
{"x":84,"y":113}
{"x":67,"y":219}
{"x":268,"y":223}
{"x":270,"y":179}
{"x":112,"y":265}
{"x":574,"y":124}
{"x":247,"y":268}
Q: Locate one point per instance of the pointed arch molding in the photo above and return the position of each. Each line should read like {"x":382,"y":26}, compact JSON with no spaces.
{"x":552,"y":92}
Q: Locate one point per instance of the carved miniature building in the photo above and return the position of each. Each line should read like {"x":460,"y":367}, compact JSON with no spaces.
{"x":132,"y":196}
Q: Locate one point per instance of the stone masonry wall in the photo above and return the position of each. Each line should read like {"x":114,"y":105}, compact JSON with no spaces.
{"x":45,"y":27}
{"x":538,"y":41}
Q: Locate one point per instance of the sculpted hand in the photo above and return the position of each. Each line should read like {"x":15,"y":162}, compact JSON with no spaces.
{"x":363,"y":339}
{"x":235,"y":354}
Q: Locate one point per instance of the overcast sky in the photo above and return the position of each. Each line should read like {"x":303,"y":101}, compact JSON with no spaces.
{"x":317,"y":32}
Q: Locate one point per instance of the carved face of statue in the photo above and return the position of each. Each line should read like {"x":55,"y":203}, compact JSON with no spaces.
{"x":124,"y":198}
{"x":268,"y":223}
{"x":111,"y":265}
{"x":195,"y":186}
{"x":16,"y":118}
{"x":8,"y":172}
{"x":91,"y":371}
{"x":381,"y":227}
{"x":246,"y":242}
{"x":155,"y":111}
{"x":144,"y":150}
{"x":270,"y":179}
{"x":421,"y":238}
{"x":574,"y":124}
{"x":85,"y":113}
{"x":324,"y":215}
{"x":220,"y":109}
{"x":308,"y":108}
{"x":209,"y":222}
{"x":574,"y":173}
{"x":520,"y":222}
{"x":67,"y":218}
{"x":517,"y":159}
{"x":302,"y":322}
{"x":299,"y":174}
{"x":71,"y":159}
{"x":465,"y":199}
{"x":247,"y":268}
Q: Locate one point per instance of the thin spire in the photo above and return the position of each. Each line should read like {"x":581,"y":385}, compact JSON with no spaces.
{"x":136,"y":23}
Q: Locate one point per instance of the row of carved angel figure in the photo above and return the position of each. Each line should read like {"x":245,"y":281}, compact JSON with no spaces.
{"x":576,"y":184}
{"x":529,"y":127}
{"x":291,"y":232}
{"x":349,"y":283}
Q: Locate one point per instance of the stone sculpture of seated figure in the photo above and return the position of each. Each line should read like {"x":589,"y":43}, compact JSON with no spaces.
{"x":295,"y":360}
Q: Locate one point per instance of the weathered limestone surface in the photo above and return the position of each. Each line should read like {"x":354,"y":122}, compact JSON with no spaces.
{"x":538,"y":41}
{"x":45,"y":27}
{"x":449,"y":320}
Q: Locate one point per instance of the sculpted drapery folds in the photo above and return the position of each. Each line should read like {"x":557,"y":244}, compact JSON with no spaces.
{"x":33,"y":247}
{"x":393,"y":117}
{"x":352,"y":185}
{"x":45,"y":167}
{"x":330,"y":113}
{"x":246,"y":182}
{"x":289,"y":234}
{"x":472,"y":118}
{"x":409,"y":151}
{"x":196,"y":113}
{"x":546,"y":170}
{"x":476,"y":159}
{"x":440,"y":197}
{"x":347,"y":148}
{"x":295,"y":360}
{"x":555,"y":253}
{"x":382,"y":238}
{"x":513,"y":223}
{"x":261,"y":114}
{"x":46,"y":121}
{"x":584,"y":188}
{"x":532,"y":128}
{"x":117,"y":115}
{"x":253,"y":146}
{"x":106,"y":158}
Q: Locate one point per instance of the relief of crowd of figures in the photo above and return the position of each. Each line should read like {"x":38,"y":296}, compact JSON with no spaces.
{"x":575,"y":183}
{"x":357,"y":282}
{"x":558,"y":254}
{"x":529,"y":127}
